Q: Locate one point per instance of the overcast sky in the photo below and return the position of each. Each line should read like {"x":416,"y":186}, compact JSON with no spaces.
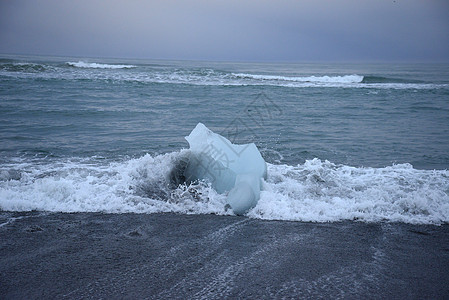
{"x":284,"y":30}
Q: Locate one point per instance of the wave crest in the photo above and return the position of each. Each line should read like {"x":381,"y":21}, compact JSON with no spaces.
{"x":313,"y":79}
{"x":86,"y":65}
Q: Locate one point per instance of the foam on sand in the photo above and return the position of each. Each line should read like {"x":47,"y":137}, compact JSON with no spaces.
{"x":317,"y":191}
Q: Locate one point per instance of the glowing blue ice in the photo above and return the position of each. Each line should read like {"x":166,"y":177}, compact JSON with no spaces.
{"x":236,"y":169}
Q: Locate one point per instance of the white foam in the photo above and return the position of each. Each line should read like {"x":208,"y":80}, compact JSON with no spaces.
{"x":315,"y":79}
{"x":83,"y":186}
{"x":214,"y":78}
{"x":205,"y":77}
{"x":317,"y":191}
{"x":320,"y":191}
{"x":82,"y":64}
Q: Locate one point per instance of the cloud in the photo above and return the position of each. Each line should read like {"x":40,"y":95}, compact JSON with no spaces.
{"x":229,"y":30}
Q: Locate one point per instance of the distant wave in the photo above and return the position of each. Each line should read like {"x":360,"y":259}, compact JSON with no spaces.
{"x":24,"y":67}
{"x":347,"y":81}
{"x":203,"y":76}
{"x":315,"y":79}
{"x":82,"y":64}
{"x":317,"y":191}
{"x":380,"y":79}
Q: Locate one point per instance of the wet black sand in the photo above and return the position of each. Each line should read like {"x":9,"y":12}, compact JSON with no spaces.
{"x":166,"y":256}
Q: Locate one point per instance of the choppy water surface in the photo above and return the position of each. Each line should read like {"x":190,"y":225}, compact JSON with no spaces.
{"x":363,"y":142}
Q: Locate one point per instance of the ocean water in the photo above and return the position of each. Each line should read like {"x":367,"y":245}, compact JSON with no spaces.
{"x":366,"y":142}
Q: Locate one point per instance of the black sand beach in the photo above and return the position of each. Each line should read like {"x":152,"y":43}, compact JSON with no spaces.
{"x":166,"y":256}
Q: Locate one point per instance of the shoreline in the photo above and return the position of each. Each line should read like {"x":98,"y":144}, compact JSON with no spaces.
{"x":166,"y":255}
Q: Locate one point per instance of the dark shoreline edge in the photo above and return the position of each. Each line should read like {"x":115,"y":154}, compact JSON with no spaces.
{"x":166,"y":255}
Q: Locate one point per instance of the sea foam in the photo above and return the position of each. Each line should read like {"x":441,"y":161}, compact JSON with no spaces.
{"x":315,"y":79}
{"x":204,"y":76}
{"x":82,"y":64}
{"x":317,"y":191}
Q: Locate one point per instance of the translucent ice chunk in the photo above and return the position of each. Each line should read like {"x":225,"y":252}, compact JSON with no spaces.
{"x":237,"y":169}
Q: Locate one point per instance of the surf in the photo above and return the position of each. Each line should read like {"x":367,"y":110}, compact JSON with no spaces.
{"x":311,"y":79}
{"x":86,"y":65}
{"x":316,"y":191}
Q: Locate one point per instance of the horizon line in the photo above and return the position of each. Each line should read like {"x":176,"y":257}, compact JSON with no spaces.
{"x":267,"y":61}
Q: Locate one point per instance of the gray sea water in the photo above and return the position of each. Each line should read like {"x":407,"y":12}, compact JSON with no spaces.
{"x":363,"y":142}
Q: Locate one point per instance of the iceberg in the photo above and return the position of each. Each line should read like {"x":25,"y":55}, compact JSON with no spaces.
{"x":234,"y":169}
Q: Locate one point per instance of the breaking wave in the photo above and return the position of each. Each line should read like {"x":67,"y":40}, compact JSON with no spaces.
{"x":82,"y":64}
{"x":316,"y":191}
{"x":167,"y":74}
{"x":314,"y":79}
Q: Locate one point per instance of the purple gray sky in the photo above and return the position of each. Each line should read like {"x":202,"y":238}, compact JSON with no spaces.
{"x":262,"y":30}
